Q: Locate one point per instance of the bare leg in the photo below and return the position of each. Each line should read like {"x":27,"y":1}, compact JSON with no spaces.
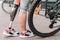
{"x":23,"y":18}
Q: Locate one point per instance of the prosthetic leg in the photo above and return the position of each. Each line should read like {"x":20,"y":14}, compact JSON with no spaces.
{"x":10,"y":31}
{"x":12,"y":15}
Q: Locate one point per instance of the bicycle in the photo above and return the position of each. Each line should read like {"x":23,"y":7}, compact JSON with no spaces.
{"x":50,"y":15}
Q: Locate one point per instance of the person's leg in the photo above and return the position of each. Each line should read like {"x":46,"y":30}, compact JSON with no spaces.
{"x":10,"y":31}
{"x":23,"y":17}
{"x":14,"y":12}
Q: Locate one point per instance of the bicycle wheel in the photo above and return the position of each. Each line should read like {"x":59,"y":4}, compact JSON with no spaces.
{"x":7,"y":6}
{"x":39,"y":24}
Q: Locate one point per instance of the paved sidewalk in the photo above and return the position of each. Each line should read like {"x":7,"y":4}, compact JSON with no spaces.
{"x":4,"y":22}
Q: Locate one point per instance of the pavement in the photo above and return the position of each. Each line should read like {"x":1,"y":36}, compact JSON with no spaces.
{"x":4,"y":23}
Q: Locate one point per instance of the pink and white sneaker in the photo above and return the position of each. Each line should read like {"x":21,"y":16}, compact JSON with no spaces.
{"x":10,"y":32}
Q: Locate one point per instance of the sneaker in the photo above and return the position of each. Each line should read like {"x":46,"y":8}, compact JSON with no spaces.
{"x":27,"y":34}
{"x":10,"y":32}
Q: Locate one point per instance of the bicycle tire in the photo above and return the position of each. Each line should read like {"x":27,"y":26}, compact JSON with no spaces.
{"x":4,"y":8}
{"x":32,"y":26}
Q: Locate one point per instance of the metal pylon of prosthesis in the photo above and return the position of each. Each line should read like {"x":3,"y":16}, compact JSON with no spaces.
{"x":13,"y":14}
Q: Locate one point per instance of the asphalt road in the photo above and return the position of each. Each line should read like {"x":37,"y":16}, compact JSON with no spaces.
{"x":4,"y":22}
